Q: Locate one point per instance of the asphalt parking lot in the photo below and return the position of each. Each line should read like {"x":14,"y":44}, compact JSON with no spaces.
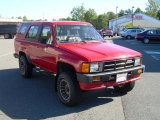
{"x":35,"y":98}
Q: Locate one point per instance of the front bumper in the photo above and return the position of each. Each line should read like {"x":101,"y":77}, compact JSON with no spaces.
{"x":107,"y":79}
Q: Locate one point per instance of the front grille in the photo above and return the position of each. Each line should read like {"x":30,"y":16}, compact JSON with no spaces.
{"x":118,"y":64}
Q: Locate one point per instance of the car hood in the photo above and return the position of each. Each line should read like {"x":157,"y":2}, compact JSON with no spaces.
{"x":100,"y":51}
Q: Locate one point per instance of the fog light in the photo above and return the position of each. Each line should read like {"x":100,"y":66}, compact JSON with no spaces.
{"x":139,"y":71}
{"x":96,"y":78}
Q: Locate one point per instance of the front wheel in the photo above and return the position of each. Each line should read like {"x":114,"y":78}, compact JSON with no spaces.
{"x":129,"y":37}
{"x":125,"y":87}
{"x":68,"y":89}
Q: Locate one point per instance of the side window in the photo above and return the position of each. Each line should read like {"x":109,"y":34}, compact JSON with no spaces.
{"x":151,"y":32}
{"x":23,"y":29}
{"x":46,"y":35}
{"x":32,"y":33}
{"x":133,"y":31}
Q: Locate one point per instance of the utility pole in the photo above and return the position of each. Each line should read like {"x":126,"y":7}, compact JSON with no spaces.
{"x":116,"y":19}
{"x":132,"y":15}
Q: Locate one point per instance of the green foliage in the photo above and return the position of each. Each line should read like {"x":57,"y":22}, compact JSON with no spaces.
{"x":25,"y":18}
{"x":121,"y":13}
{"x":102,"y":21}
{"x":90,"y":16}
{"x":78,"y":13}
{"x":129,"y":25}
{"x":111,"y":15}
{"x":158,"y":14}
{"x":129,"y":11}
{"x":153,"y":8}
{"x":138,"y":10}
{"x":66,"y":19}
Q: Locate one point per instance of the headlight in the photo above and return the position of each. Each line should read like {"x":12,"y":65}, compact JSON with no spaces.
{"x":137,"y":61}
{"x":94,"y":67}
{"x":91,"y":67}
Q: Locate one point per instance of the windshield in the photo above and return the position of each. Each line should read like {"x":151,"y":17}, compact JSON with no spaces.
{"x":77,"y":33}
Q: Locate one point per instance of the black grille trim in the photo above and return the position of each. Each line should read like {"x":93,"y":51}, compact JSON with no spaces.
{"x":118,"y":64}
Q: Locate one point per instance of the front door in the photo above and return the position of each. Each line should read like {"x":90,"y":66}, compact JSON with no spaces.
{"x":46,"y":49}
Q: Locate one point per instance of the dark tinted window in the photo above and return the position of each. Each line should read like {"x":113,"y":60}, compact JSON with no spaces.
{"x":46,"y":35}
{"x":32,"y":33}
{"x":158,"y":32}
{"x":151,"y":32}
{"x":23,"y":29}
{"x":138,"y":31}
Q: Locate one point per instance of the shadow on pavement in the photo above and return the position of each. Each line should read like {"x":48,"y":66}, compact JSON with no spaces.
{"x":35,"y":98}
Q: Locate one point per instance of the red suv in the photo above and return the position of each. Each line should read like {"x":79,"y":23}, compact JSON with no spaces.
{"x":78,"y":56}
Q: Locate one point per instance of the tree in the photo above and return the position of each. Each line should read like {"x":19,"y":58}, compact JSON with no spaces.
{"x":68,"y":19}
{"x":90,"y":16}
{"x":128,"y":12}
{"x":152,"y":8}
{"x":158,"y":14}
{"x":25,"y":18}
{"x":102,"y":21}
{"x":78,"y":13}
{"x":111,"y":15}
{"x":121,"y":13}
{"x":19,"y":17}
{"x":138,"y":10}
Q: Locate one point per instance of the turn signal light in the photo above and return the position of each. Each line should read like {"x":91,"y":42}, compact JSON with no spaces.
{"x":96,"y":78}
{"x":85,"y":67}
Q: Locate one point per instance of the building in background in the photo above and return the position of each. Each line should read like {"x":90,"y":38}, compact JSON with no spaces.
{"x":10,"y":21}
{"x":139,"y":20}
{"x":9,"y":27}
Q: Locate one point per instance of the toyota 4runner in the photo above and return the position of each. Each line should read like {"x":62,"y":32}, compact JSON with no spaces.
{"x":79,"y":57}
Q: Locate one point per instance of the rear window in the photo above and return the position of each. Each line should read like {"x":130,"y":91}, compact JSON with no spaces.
{"x":23,"y":29}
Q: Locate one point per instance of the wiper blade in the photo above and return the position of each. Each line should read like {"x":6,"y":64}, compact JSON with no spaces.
{"x":89,"y":38}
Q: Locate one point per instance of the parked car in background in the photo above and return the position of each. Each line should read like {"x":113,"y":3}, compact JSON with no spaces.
{"x":152,"y":35}
{"x":107,"y":32}
{"x":130,"y":32}
{"x":8,"y":30}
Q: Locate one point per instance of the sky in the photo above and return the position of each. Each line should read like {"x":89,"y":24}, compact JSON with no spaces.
{"x":55,"y":9}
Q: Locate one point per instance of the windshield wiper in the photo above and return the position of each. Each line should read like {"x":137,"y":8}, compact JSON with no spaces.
{"x":89,"y":38}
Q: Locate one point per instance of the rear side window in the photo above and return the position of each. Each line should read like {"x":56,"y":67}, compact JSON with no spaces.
{"x":23,"y":29}
{"x":158,"y":32}
{"x":32,"y":33}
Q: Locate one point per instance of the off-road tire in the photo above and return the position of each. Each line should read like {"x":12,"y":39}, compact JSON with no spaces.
{"x":68,"y":89}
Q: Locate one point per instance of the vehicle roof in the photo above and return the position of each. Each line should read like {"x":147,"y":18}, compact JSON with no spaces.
{"x":60,"y":22}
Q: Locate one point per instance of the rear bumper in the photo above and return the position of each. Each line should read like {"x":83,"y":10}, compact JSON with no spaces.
{"x":108,"y":79}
